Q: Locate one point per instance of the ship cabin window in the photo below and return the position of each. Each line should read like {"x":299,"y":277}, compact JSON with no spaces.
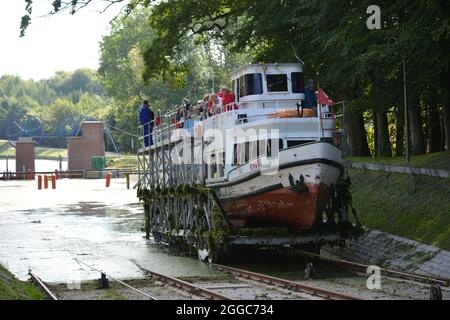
{"x":298,"y":82}
{"x":277,"y":83}
{"x":270,"y":147}
{"x":250,"y":84}
{"x":235,"y":88}
{"x":221,"y":164}
{"x":212,"y":168}
{"x":248,"y":151}
{"x":293,"y":143}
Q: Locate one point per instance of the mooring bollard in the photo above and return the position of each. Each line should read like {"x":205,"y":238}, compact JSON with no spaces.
{"x":108,"y":179}
{"x":53,"y":182}
{"x":103,"y":281}
{"x":45,"y":182}
{"x":39,"y":180}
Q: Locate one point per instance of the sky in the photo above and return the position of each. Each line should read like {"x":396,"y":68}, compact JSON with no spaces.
{"x":61,"y":42}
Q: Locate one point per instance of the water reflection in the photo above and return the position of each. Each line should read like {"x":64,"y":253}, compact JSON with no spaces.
{"x":40,"y":165}
{"x":47,"y":240}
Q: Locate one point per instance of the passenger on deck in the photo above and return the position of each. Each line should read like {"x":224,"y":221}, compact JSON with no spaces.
{"x":228,"y":99}
{"x":205,"y":105}
{"x":213,"y":103}
{"x":310,"y":96}
{"x":146,"y":117}
{"x":202,"y":106}
{"x":189,"y":112}
{"x":178,"y":117}
{"x":220,"y":93}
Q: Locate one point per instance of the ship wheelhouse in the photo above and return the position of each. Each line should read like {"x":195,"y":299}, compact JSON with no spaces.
{"x":268,"y":96}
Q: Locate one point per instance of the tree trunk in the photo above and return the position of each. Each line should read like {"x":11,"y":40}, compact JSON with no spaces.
{"x":375,"y":134}
{"x":356,"y":134}
{"x":434,"y":128}
{"x":446,"y":117}
{"x":446,"y":111}
{"x":417,"y":140}
{"x":399,"y":132}
{"x":384,"y":143}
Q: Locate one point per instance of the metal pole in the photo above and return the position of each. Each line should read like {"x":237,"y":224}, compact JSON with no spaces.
{"x":408,"y":156}
{"x":344,"y":129}
{"x":7,"y":169}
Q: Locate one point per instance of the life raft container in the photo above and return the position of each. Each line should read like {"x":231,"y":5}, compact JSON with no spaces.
{"x":293,"y":113}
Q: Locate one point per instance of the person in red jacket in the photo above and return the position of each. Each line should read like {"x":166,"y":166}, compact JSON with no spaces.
{"x":228,"y":99}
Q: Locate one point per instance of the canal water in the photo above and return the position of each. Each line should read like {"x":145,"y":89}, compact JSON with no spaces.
{"x":51,"y":231}
{"x":40,"y":165}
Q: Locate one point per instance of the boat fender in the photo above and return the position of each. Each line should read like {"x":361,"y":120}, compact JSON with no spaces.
{"x":298,"y":186}
{"x":300,"y":114}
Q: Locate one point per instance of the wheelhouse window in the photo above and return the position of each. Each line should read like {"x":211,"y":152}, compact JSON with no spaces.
{"x":235,"y":87}
{"x":298,"y":82}
{"x":293,"y":143}
{"x":277,"y":83}
{"x":250,"y":84}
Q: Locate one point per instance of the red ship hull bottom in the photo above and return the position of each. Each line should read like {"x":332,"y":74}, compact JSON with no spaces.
{"x":281,"y":207}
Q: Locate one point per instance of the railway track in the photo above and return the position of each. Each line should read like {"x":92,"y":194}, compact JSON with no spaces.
{"x":186,"y":286}
{"x":177,"y":283}
{"x":359,"y":267}
{"x":288,"y":284}
{"x":211,"y":294}
{"x":42,"y":285}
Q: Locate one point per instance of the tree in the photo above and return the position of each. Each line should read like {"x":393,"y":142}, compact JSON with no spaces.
{"x":332,"y":37}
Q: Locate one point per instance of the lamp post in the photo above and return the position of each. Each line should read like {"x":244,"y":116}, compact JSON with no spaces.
{"x":344,"y":131}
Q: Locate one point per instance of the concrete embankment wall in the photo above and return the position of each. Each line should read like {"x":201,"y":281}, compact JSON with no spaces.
{"x":407,"y":212}
{"x":401,"y":169}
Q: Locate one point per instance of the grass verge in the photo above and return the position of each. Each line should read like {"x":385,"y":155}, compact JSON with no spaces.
{"x":13,"y":289}
{"x":413,"y":206}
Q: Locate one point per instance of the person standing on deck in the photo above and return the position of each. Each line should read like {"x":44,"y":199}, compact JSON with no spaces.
{"x":310,"y":96}
{"x":146,"y":117}
{"x":228,"y":99}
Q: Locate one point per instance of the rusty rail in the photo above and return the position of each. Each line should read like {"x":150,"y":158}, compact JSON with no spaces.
{"x":42,"y":285}
{"x":28,"y":175}
{"x":186,"y":286}
{"x":291,"y":285}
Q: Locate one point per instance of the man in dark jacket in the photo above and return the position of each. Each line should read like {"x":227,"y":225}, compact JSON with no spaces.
{"x":146,"y":117}
{"x":310,"y":96}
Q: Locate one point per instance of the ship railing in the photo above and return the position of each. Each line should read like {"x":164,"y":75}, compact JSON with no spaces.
{"x":165,"y":123}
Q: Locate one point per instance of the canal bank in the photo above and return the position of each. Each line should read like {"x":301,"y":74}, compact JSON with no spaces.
{"x":412,"y":206}
{"x":13,"y":289}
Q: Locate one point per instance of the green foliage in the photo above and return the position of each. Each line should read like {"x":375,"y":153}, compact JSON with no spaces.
{"x":191,"y":72}
{"x":55,"y":106}
{"x":157,"y":43}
